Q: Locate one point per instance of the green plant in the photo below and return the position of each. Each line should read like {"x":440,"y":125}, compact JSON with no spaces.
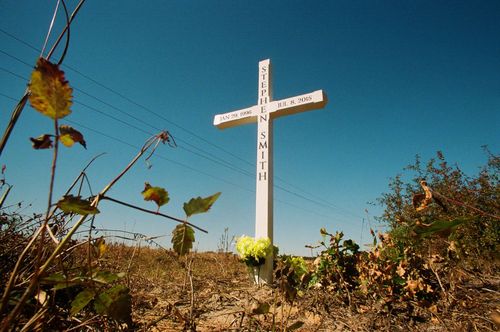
{"x":439,"y":205}
{"x":183,"y":234}
{"x":292,"y":276}
{"x":336,"y":265}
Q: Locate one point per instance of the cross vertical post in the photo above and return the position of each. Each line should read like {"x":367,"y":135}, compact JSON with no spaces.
{"x":264,"y":180}
{"x":264,"y":113}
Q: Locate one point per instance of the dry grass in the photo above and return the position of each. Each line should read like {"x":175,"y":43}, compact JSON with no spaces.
{"x":213,"y":292}
{"x":222,"y":298}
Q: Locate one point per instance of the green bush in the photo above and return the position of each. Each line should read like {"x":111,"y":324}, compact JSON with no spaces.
{"x":463,"y":215}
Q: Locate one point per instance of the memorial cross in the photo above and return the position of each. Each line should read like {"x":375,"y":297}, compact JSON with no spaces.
{"x":264,"y":113}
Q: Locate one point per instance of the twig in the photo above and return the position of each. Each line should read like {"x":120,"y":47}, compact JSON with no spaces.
{"x":88,"y":321}
{"x":82,"y":173}
{"x":13,"y":119}
{"x":439,"y":281}
{"x":478,"y":317}
{"x":89,"y":246}
{"x":66,"y":46}
{"x":153,"y":212}
{"x":4,"y":196}
{"x":490,"y":290}
{"x":242,"y":318}
{"x":75,"y":11}
{"x":191,"y":307}
{"x":156,"y":321}
{"x":51,"y":235}
{"x":135,"y":234}
{"x":51,"y":25}
{"x":171,"y":307}
{"x":51,"y":186}
{"x":130,"y":263}
{"x":468,"y":206}
{"x":28,"y":326}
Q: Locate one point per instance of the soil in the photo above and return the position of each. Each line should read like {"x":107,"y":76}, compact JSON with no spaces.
{"x":218,"y":295}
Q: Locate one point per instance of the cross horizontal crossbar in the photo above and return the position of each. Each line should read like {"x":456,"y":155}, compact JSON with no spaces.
{"x":302,"y":103}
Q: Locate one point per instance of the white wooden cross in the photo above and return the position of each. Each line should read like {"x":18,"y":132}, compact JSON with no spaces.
{"x":264,"y":113}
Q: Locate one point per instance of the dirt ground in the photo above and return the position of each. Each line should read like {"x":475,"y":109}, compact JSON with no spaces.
{"x":218,"y":295}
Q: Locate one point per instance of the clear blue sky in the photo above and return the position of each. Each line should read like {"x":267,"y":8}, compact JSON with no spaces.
{"x":402,"y":77}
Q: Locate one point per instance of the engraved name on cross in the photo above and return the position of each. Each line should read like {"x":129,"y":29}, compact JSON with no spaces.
{"x":264,"y":113}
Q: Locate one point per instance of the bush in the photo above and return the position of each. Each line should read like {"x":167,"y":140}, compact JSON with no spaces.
{"x":461,"y":217}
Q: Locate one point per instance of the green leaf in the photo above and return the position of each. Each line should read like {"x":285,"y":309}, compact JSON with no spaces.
{"x":399,"y":281}
{"x":106,"y":277}
{"x":156,"y":194}
{"x":182,"y":239}
{"x":68,"y":283}
{"x":60,"y":281}
{"x":116,"y":302}
{"x":56,"y":277}
{"x":261,"y":309}
{"x":295,"y":326}
{"x":200,"y":205}
{"x":350,"y":245}
{"x":81,"y":300}
{"x":440,"y":227}
{"x":72,"y":204}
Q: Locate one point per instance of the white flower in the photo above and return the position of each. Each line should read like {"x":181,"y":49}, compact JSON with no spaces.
{"x":252,"y":251}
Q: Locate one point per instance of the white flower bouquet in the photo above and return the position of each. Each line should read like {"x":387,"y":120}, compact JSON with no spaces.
{"x":253,"y":252}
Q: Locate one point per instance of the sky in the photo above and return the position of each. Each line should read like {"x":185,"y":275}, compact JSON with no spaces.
{"x":402,"y":78}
